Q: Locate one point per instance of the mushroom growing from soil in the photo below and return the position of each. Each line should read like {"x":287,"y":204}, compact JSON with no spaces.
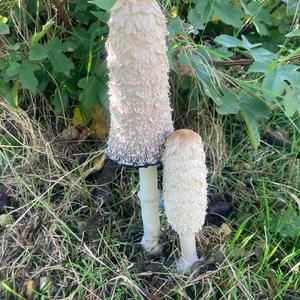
{"x":139,"y":100}
{"x":185,"y":190}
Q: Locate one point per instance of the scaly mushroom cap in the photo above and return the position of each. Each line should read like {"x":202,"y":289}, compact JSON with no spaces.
{"x":185,"y":186}
{"x":138,"y":83}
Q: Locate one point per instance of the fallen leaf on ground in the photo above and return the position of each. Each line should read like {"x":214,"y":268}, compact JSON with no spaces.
{"x":98,"y":163}
{"x":85,"y":133}
{"x":69,"y":134}
{"x":99,"y":127}
{"x":78,"y":117}
{"x":225,"y":229}
{"x":29,"y":287}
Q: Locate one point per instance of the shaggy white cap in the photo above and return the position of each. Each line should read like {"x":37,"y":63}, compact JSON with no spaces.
{"x":139,"y":83}
{"x":185,"y":186}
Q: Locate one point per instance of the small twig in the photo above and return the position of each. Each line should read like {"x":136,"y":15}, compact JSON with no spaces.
{"x":62,"y":13}
{"x":237,"y":62}
{"x":248,"y":61}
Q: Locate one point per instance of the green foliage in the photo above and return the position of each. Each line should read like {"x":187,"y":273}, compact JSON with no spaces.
{"x":286,"y":223}
{"x":207,"y":40}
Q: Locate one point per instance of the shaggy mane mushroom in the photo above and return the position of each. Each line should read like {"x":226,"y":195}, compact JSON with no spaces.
{"x":139,"y":100}
{"x":185,"y":190}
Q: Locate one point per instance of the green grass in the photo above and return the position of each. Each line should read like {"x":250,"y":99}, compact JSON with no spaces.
{"x":88,"y":247}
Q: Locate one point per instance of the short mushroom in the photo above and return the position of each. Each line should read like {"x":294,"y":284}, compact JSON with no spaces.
{"x":185,"y":190}
{"x":139,"y":100}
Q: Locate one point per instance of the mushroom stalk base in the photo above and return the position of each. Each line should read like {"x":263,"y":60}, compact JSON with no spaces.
{"x":149,"y":197}
{"x":188,"y":253}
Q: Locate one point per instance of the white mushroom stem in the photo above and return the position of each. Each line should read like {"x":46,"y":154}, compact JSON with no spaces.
{"x":149,"y":197}
{"x":188,"y":252}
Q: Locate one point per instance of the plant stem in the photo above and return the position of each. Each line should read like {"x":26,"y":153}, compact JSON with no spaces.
{"x":62,"y":13}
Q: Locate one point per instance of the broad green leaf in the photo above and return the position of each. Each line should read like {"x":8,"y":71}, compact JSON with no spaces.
{"x":102,"y":16}
{"x":15,"y":94}
{"x":252,"y":128}
{"x":259,"y":67}
{"x":195,"y":19}
{"x":175,"y":26}
{"x":60,"y":62}
{"x":253,"y":104}
{"x":273,"y":83}
{"x":38,"y":35}
{"x":228,"y":13}
{"x":25,"y":72}
{"x":260,"y":16}
{"x":201,"y":14}
{"x":38,"y":52}
{"x":4,"y":29}
{"x":247,"y":45}
{"x":229,"y":103}
{"x":60,"y":101}
{"x":252,"y":107}
{"x":228,"y":41}
{"x":89,"y":96}
{"x":292,"y":99}
{"x":262,"y":55}
{"x":293,"y":7}
{"x":10,"y":94}
{"x":286,"y":223}
{"x":104,"y":4}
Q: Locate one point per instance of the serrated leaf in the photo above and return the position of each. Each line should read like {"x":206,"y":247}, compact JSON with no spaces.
{"x":104,"y":4}
{"x":25,"y":72}
{"x":38,"y":52}
{"x":60,"y":63}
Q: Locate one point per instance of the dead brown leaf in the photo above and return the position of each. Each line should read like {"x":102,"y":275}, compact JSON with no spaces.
{"x":99,"y":127}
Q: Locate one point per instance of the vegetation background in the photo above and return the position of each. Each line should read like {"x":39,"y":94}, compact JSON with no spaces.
{"x":70,"y":221}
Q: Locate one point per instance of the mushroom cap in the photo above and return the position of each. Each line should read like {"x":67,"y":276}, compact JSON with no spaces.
{"x":138,"y":83}
{"x":185,"y":185}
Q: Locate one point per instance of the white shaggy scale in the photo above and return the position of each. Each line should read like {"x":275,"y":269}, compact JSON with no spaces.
{"x":138,"y":83}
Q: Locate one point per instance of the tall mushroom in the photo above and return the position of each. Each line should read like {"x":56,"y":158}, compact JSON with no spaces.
{"x":139,"y":100}
{"x":185,"y":190}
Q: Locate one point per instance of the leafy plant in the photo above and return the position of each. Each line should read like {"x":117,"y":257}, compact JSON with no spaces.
{"x":209,"y":42}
